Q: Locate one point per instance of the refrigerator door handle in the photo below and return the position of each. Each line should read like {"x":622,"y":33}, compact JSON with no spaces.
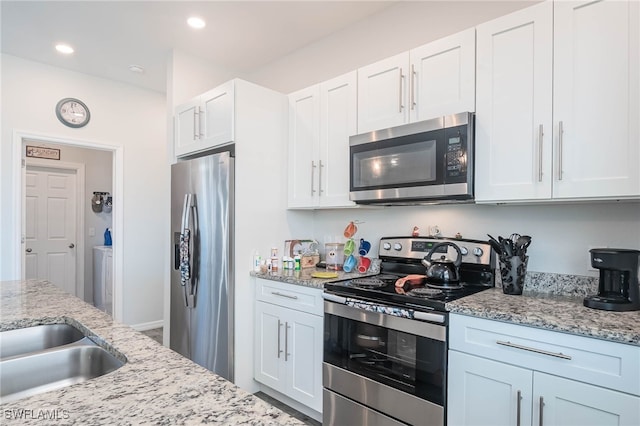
{"x":185,"y":250}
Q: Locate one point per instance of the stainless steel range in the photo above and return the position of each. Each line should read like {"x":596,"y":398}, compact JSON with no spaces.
{"x":385,"y":337}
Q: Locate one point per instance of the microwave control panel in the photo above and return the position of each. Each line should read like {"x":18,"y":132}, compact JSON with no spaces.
{"x":456,"y":155}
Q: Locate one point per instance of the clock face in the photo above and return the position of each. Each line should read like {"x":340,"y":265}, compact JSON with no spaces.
{"x":72,"y":112}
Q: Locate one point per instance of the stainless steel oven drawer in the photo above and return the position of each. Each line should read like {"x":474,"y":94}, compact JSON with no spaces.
{"x":338,"y":411}
{"x":381,"y":397}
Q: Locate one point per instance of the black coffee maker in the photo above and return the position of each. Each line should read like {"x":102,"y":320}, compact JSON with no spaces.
{"x":619,"y":286}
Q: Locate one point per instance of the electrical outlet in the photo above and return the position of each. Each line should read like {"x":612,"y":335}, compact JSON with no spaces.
{"x":92,"y":232}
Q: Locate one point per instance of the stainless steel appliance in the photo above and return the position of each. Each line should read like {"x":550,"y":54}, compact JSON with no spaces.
{"x":619,"y":285}
{"x":202,"y":272}
{"x":385,"y":336}
{"x":424,"y":162}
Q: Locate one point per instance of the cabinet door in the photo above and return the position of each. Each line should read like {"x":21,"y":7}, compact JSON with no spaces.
{"x":303,"y":345}
{"x":570,"y":403}
{"x":217,"y":116}
{"x":513,"y":106}
{"x":269,"y":367}
{"x":304,"y":134}
{"x":443,"y":77}
{"x":484,"y":392}
{"x":596,"y":95}
{"x":187,"y":127}
{"x":338,"y":110}
{"x":382,"y":94}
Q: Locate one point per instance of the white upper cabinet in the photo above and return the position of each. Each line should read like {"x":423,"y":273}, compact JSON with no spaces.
{"x":429,"y":81}
{"x":596,"y":76}
{"x":513,"y":106}
{"x":382,"y":93}
{"x":557,"y":103}
{"x":443,"y":77}
{"x":321,"y":119}
{"x":205,"y":122}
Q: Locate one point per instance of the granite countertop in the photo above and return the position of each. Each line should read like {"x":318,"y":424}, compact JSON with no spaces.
{"x":303,"y":276}
{"x":552,"y":312}
{"x":155,"y":386}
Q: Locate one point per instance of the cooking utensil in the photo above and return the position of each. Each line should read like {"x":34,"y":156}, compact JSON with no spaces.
{"x":443,"y":271}
{"x":495,"y":244}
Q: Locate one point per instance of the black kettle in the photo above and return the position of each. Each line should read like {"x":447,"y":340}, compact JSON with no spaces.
{"x":443,"y":271}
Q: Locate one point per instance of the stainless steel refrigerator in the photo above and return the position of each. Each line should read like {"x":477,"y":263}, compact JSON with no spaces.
{"x":202,"y":262}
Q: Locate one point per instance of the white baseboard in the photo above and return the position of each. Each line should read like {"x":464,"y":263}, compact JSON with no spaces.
{"x":147,"y":325}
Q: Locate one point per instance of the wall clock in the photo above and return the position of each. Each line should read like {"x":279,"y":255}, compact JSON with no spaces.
{"x":72,"y":112}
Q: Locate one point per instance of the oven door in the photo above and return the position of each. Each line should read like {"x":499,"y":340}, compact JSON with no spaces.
{"x":395,"y":366}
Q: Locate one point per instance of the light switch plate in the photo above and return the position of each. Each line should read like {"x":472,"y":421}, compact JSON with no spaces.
{"x":92,"y":232}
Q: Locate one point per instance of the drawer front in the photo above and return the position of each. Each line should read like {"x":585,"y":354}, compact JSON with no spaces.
{"x":607,"y":364}
{"x":291,"y":296}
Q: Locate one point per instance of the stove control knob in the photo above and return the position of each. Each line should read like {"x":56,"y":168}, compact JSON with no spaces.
{"x":478,"y":252}
{"x":397,"y":246}
{"x":386,"y":246}
{"x":464,"y":250}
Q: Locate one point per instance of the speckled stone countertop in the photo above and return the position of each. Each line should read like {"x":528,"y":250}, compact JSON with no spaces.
{"x":155,"y":386}
{"x":553,"y":312}
{"x":303,"y":277}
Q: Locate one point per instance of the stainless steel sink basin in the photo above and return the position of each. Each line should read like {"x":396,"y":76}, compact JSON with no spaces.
{"x":53,"y":369}
{"x":42,"y":358}
{"x":37,"y":338}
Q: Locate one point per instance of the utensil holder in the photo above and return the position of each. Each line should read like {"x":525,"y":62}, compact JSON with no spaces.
{"x":513,"y":270}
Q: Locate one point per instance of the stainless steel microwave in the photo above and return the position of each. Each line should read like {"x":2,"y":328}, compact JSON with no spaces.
{"x":429,"y":161}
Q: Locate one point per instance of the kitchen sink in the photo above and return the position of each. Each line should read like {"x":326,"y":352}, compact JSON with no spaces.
{"x":48,"y":357}
{"x":32,"y":339}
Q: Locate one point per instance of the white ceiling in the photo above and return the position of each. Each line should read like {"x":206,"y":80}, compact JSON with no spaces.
{"x":108,"y":36}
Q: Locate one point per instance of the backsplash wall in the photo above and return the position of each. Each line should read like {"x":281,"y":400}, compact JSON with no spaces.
{"x":562,"y":234}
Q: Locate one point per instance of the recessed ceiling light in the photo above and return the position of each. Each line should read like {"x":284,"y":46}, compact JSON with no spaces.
{"x":64,"y":48}
{"x":136,"y":68}
{"x":195,"y":22}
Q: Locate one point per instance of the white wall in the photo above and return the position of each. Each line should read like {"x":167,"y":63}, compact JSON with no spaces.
{"x":98,"y":176}
{"x":401,"y":27}
{"x":562,"y":234}
{"x":121,"y":116}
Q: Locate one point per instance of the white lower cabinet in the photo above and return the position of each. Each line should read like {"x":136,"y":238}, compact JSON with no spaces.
{"x":513,"y":385}
{"x":288,"y":342}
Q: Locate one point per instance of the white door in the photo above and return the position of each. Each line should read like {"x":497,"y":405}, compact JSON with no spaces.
{"x":596,"y":98}
{"x":443,"y":77}
{"x":382,"y":94}
{"x":304,"y":133}
{"x":485,"y":392}
{"x":303,"y":347}
{"x":269,"y":366}
{"x":570,"y":403}
{"x":50,"y":226}
{"x":513,"y":106}
{"x":187,"y":128}
{"x":217,"y":116}
{"x":338,"y":121}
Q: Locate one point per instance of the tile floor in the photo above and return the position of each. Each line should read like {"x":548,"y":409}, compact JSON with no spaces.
{"x":156,"y":334}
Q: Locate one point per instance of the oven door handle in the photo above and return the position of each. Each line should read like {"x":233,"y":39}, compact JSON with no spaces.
{"x":334,"y":298}
{"x":436,"y":331}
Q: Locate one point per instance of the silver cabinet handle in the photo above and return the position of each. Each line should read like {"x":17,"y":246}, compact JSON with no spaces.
{"x":541,"y":405}
{"x":560,"y":136}
{"x":28,"y":250}
{"x":72,"y":245}
{"x":200,"y":114}
{"x":400,"y":106}
{"x":320,"y":177}
{"x":518,"y":402}
{"x":412,"y":87}
{"x":286,"y":341}
{"x":277,"y":293}
{"x":538,"y":351}
{"x":540,"y":135}
{"x":313,"y":166}
{"x":195,"y":123}
{"x":279,"y":350}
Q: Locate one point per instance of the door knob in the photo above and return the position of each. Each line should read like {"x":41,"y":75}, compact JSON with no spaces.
{"x":72,"y":245}
{"x":28,"y":250}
